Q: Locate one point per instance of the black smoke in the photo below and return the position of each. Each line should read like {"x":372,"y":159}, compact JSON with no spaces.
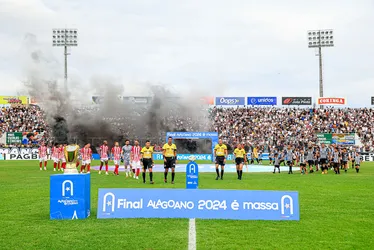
{"x":60,"y":130}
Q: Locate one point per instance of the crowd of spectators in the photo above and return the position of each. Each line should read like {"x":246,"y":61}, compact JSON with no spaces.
{"x":276,"y":127}
{"x":263,"y":127}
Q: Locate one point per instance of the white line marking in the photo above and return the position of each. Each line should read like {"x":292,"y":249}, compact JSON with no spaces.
{"x":192,"y":235}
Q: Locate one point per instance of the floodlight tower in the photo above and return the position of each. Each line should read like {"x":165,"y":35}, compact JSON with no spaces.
{"x":65,"y":38}
{"x":319,"y":39}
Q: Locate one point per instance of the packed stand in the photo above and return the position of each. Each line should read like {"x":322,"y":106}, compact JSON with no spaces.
{"x":277,"y":127}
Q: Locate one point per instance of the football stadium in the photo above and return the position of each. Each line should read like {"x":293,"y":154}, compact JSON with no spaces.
{"x":150,"y":126}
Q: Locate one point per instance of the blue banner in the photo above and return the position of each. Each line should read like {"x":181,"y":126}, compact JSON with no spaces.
{"x":232,"y":101}
{"x":203,"y":157}
{"x":271,"y":100}
{"x":70,"y":196}
{"x":198,"y":203}
{"x":195,"y":135}
{"x":192,"y":175}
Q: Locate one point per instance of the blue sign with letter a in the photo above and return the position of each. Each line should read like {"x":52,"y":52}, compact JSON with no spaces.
{"x":70,"y":196}
{"x":198,"y":203}
{"x":192,"y":175}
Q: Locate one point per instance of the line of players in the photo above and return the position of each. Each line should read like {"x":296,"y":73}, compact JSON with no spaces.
{"x":58,"y":156}
{"x":320,"y":157}
{"x":133,"y":157}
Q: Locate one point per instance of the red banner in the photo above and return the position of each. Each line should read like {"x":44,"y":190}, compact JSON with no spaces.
{"x":332,"y":101}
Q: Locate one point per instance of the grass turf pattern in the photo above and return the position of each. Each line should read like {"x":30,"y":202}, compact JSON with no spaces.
{"x":336,"y":212}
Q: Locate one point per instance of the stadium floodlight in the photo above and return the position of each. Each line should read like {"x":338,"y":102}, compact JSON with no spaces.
{"x":319,"y":39}
{"x":65,"y":38}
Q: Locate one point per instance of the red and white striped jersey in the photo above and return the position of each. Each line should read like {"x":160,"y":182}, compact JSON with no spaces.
{"x":55,"y":152}
{"x":104,"y":151}
{"x":116,"y":152}
{"x":62,"y":153}
{"x":42,"y":151}
{"x":136,"y":153}
{"x":86,"y":154}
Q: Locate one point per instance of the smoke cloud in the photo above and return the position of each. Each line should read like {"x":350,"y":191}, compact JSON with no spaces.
{"x":115,"y":119}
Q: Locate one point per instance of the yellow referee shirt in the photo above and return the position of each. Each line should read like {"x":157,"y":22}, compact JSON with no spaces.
{"x":169,"y":150}
{"x":147,"y":152}
{"x":220,"y":150}
{"x":239,"y":153}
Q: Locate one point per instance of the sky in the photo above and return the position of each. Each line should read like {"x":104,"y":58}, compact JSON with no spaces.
{"x":218,"y":47}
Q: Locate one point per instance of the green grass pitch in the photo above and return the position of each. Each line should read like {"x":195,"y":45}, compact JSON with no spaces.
{"x":336,"y":212}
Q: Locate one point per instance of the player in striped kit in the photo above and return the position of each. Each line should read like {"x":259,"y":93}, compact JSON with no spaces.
{"x":116,"y":156}
{"x":104,"y":157}
{"x":135,"y":158}
{"x":358,"y":161}
{"x":323,"y":156}
{"x":289,"y":155}
{"x":61,"y":158}
{"x":126,"y":154}
{"x":336,"y":159}
{"x":302,"y":162}
{"x":55,"y":155}
{"x":86,"y":158}
{"x":42,"y":156}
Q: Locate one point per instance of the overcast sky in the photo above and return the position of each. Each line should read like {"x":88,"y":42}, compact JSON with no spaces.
{"x":246,"y":48}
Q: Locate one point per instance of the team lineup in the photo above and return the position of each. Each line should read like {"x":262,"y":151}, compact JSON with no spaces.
{"x":138,"y":159}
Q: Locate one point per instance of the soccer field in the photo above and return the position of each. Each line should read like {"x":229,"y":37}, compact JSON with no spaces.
{"x":336,"y":212}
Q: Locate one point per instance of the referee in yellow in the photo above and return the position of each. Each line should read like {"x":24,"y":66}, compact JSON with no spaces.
{"x":169,"y":150}
{"x":220,"y":152}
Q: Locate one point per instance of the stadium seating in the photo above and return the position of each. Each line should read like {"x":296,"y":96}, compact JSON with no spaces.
{"x":263,"y":127}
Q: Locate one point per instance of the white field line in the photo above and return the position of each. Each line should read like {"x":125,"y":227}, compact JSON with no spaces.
{"x":192,"y":235}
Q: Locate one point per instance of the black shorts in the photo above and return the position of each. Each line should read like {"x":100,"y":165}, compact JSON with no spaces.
{"x":170,"y":162}
{"x":239,"y":160}
{"x":323,"y":161}
{"x":310,"y":162}
{"x":316,"y":162}
{"x":344,"y":162}
{"x":147,"y":163}
{"x":336,"y":165}
{"x":289,"y":163}
{"x":357,"y":165}
{"x":303,"y":165}
{"x":220,"y":160}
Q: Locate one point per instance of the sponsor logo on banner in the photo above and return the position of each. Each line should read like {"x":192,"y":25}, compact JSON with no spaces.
{"x":372,"y":100}
{"x":207,"y":157}
{"x":296,"y":100}
{"x":19,"y":153}
{"x":232,"y":101}
{"x":262,"y":100}
{"x":367,"y":156}
{"x":331,"y":101}
{"x":197,"y":203}
{"x":13,"y":100}
{"x":192,"y":175}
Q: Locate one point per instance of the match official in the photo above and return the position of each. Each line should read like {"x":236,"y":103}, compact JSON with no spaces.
{"x":169,"y":151}
{"x":147,"y":160}
{"x":220,"y":152}
{"x":240,"y":158}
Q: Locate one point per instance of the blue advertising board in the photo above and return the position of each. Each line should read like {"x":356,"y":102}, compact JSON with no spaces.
{"x":192,"y":175}
{"x":213,"y":136}
{"x":70,"y":196}
{"x":198,"y":203}
{"x":266,"y":100}
{"x":230,"y":101}
{"x":206,"y":157}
